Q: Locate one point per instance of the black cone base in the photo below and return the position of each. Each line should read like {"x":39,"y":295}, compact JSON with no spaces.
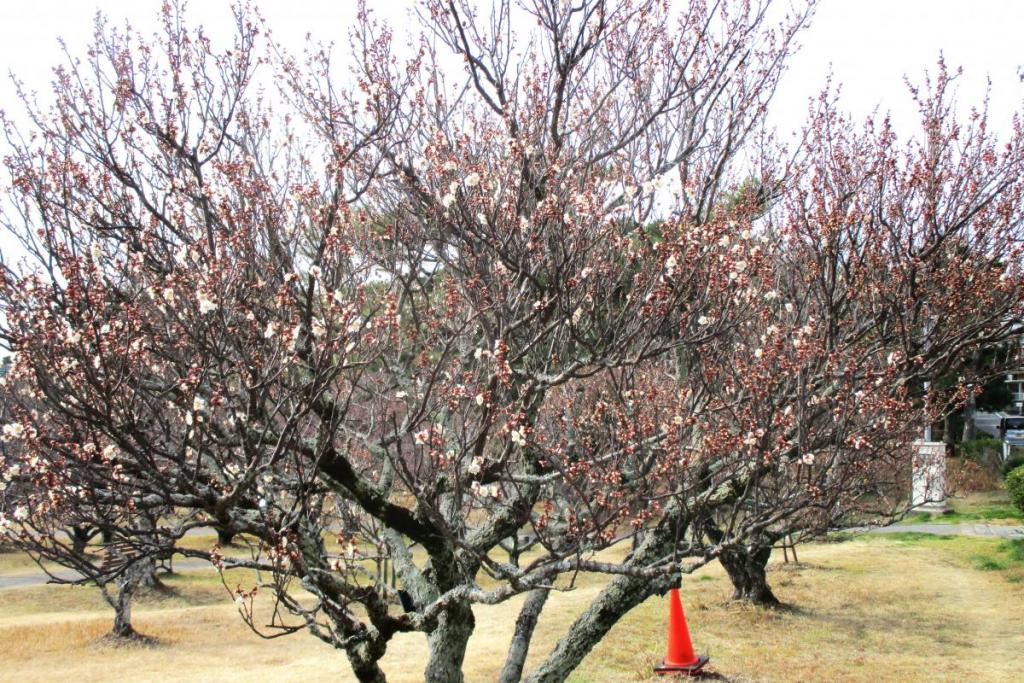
{"x":686,"y":670}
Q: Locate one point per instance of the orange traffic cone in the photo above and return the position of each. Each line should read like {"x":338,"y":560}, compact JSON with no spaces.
{"x":680,"y":658}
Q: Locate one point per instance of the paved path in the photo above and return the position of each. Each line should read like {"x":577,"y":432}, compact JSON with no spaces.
{"x":991,"y":530}
{"x":39,"y":577}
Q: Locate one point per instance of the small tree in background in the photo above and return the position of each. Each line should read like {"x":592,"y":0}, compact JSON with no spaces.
{"x":419,"y":321}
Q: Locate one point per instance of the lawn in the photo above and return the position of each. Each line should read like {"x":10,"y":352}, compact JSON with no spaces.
{"x":990,"y":507}
{"x":905,"y":608}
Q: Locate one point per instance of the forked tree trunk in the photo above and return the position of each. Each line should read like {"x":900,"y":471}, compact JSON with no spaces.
{"x":512,"y":672}
{"x":620,"y":596}
{"x":448,"y":644}
{"x":127,"y":584}
{"x":747,"y":572}
{"x":123,"y":612}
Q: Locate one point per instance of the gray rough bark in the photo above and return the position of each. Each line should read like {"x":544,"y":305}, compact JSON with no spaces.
{"x":367,"y":671}
{"x":747,"y":570}
{"x":621,"y":595}
{"x":512,"y":672}
{"x":127,"y":585}
{"x":448,"y":644}
{"x":147,"y":574}
{"x":969,"y":433}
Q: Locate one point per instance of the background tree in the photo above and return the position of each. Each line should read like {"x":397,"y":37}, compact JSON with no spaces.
{"x":414,"y":318}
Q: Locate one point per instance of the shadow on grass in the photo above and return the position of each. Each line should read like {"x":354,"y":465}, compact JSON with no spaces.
{"x":136,"y":641}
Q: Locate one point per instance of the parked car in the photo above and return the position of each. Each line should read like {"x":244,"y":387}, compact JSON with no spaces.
{"x":1011,"y":430}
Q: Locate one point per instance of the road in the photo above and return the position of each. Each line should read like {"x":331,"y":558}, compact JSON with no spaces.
{"x":39,"y":577}
{"x":987,"y":422}
{"x":990,"y":530}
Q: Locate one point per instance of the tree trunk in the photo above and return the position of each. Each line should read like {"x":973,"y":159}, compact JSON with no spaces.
{"x":80,"y":536}
{"x":969,"y":409}
{"x":367,"y":670}
{"x":947,"y":434}
{"x":621,"y":595}
{"x":512,"y":672}
{"x":147,"y":573}
{"x":448,"y":644}
{"x":127,"y":584}
{"x":746,"y":570}
{"x":225,"y":536}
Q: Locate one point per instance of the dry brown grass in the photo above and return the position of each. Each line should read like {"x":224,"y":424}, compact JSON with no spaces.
{"x":865,"y":610}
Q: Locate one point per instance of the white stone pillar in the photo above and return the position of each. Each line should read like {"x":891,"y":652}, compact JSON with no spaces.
{"x":929,"y":477}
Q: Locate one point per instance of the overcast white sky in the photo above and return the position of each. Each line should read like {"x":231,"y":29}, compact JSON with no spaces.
{"x":869,"y":44}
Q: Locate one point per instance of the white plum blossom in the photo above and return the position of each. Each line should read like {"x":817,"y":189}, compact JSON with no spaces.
{"x":703,"y":320}
{"x":421,"y":437}
{"x":270,"y":330}
{"x":488,"y":491}
{"x":318,"y":328}
{"x":480,"y":399}
{"x":472,"y":180}
{"x":576,"y":316}
{"x":475,"y":465}
{"x":448,"y":200}
{"x":670,"y":264}
{"x":110,"y":452}
{"x":20,"y":513}
{"x":198,"y":403}
{"x":13,"y":431}
{"x":807,"y":458}
{"x":789,"y":307}
{"x":206,"y":303}
{"x":168,"y":294}
{"x":450,"y":166}
{"x":518,"y":437}
{"x":401,"y":394}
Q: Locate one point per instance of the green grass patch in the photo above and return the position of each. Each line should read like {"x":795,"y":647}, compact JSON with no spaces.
{"x":988,"y":564}
{"x":1014,"y":548}
{"x":982,"y":514}
{"x":909,"y":537}
{"x":1007,"y":556}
